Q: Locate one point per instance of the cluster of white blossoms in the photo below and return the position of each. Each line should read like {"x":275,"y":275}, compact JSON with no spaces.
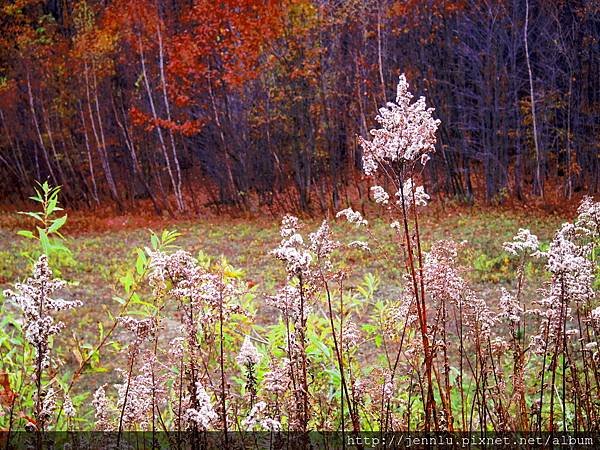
{"x":510,"y":309}
{"x":292,"y":249}
{"x":48,"y":405}
{"x":68,"y":407}
{"x":248,"y":355}
{"x":570,"y":262}
{"x":380,"y":195}
{"x":409,"y":190}
{"x":595,"y":314}
{"x":588,"y":219}
{"x":203,"y":414}
{"x":258,"y":416}
{"x":571,"y":265}
{"x":361,"y":245}
{"x":287,"y":300}
{"x":444,"y":283}
{"x":321,"y":243}
{"x":137,"y":396}
{"x":352,"y":217}
{"x":33,"y":298}
{"x":523,"y":242}
{"x":277,"y":380}
{"x":442,"y":278}
{"x":140,"y":330}
{"x":407,"y":131}
{"x":102,"y":410}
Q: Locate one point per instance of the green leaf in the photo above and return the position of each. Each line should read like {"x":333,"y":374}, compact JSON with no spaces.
{"x":57,"y":224}
{"x":154,"y":241}
{"x":35,"y":215}
{"x":26,"y":233}
{"x":127,"y":281}
{"x":141,"y":261}
{"x":51,"y":205}
{"x":44,"y":241}
{"x":119,"y":300}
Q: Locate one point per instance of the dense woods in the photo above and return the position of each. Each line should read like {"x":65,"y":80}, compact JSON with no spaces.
{"x":191,"y":103}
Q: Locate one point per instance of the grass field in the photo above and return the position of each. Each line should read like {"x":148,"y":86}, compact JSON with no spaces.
{"x":99,"y":259}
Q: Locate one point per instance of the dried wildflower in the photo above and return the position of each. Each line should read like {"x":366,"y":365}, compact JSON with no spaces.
{"x":102,"y":409}
{"x":361,"y":245}
{"x":141,"y":329}
{"x":442,"y":278}
{"x":293,"y":252}
{"x":136,"y":398}
{"x":499,"y":346}
{"x":258,"y":416}
{"x":176,"y":348}
{"x":321,"y":243}
{"x":588,"y":219}
{"x":509,"y":308}
{"x":203,"y":414}
{"x":287,"y":301}
{"x":352,"y":216}
{"x":571,"y":265}
{"x":248,"y":354}
{"x":289,"y":226}
{"x":380,"y":195}
{"x":595,"y":314}
{"x":271,"y":424}
{"x":407,"y":131}
{"x":172,"y":268}
{"x":277,"y":380}
{"x":408,"y":190}
{"x":33,"y":297}
{"x":254,"y":415}
{"x":523,"y":242}
{"x":68,"y":407}
{"x":48,"y":405}
{"x":350,"y":336}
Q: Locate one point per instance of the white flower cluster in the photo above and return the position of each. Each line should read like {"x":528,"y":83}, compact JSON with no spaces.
{"x":180,"y":275}
{"x":361,"y":245}
{"x":277,"y":379}
{"x":287,"y":300}
{"x":595,"y":314}
{"x":102,"y":409}
{"x":572,"y":268}
{"x":571,"y":265}
{"x":203,"y":414}
{"x":137,"y":400}
{"x":380,"y":195}
{"x":588,"y":220}
{"x":33,"y":298}
{"x":292,"y":249}
{"x":68,"y":407}
{"x":523,"y":242}
{"x":321,"y":243}
{"x":248,"y":355}
{"x":351,"y":335}
{"x":407,"y":131}
{"x":408,"y":190}
{"x":257,"y":416}
{"x":141,"y":329}
{"x":352,"y":216}
{"x":444,"y":283}
{"x":510,"y":308}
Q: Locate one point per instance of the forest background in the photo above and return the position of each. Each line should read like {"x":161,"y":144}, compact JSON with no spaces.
{"x":185,"y":106}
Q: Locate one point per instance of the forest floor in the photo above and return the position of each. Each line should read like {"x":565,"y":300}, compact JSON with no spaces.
{"x":103,"y":254}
